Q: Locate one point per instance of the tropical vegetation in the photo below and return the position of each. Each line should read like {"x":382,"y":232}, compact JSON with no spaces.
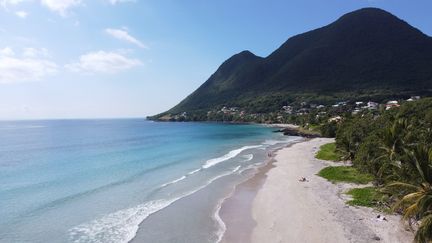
{"x":345,"y":174}
{"x":329,"y":152}
{"x":395,"y":147}
{"x":366,"y":196}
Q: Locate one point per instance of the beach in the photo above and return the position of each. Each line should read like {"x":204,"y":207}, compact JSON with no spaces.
{"x":274,"y":206}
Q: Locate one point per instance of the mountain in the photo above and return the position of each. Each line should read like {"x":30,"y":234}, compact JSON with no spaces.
{"x":368,"y":53}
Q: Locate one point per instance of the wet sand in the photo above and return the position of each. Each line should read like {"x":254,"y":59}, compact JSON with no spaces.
{"x":236,"y":210}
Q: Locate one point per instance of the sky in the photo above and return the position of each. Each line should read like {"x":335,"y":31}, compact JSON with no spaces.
{"x":65,"y":59}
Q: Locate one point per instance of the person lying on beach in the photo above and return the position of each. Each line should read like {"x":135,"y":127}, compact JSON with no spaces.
{"x":381,"y":218}
{"x":303,"y":179}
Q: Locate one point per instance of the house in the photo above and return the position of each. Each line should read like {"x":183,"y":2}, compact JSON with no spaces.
{"x":302,"y":111}
{"x":287,"y":109}
{"x":372,"y":105}
{"x":320,"y":107}
{"x":392,"y":104}
{"x":335,"y":119}
{"x":413,"y":98}
{"x":359,"y":103}
{"x":355,"y":111}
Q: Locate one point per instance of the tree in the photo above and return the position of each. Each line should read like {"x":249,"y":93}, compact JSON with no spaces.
{"x":416,"y":199}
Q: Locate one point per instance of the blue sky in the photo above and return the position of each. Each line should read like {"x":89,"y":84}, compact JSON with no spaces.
{"x":125,"y":58}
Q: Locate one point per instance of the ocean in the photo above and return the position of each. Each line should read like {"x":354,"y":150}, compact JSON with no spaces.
{"x":123,"y":180}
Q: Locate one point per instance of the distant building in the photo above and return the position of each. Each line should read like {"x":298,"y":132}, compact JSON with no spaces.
{"x":287,"y":109}
{"x":359,"y":103}
{"x":320,"y":107}
{"x":335,"y":119}
{"x":413,"y":98}
{"x":355,"y":111}
{"x":392,"y":104}
{"x":372,"y":105}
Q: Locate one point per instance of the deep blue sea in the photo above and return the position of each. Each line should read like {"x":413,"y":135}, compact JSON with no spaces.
{"x":122,"y":180}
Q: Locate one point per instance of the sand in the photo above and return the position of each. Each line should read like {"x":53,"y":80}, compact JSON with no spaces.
{"x":286,"y":210}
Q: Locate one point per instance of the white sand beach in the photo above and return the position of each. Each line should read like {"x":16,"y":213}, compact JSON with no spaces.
{"x":286,"y":210}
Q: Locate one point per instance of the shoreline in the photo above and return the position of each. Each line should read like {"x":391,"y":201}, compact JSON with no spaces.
{"x":244,"y":194}
{"x":273,"y":206}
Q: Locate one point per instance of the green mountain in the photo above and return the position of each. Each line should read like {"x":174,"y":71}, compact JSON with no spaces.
{"x":365,"y":54}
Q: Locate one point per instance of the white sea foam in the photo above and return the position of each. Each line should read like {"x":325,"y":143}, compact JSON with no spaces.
{"x":181,"y":178}
{"x":174,"y":181}
{"x":248,"y":157}
{"x":233,"y":153}
{"x":122,"y":226}
{"x":194,"y":171}
{"x":273,"y":142}
{"x":236,"y":169}
{"x":222,"y":227}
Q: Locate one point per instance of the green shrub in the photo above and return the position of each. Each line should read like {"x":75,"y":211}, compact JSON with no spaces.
{"x":328,"y":152}
{"x":366,"y":197}
{"x":345,"y":174}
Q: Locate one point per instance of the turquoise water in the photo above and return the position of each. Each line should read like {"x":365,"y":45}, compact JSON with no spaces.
{"x":98,"y":180}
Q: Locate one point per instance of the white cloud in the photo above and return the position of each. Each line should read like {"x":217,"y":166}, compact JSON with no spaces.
{"x":14,"y":69}
{"x":21,"y":14}
{"x":6,"y":3}
{"x":114,"y":2}
{"x":35,"y":52}
{"x":124,"y":36}
{"x":60,"y":6}
{"x":7,"y":51}
{"x":103,"y":62}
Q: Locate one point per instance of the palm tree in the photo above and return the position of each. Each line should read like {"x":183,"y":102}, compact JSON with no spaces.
{"x":392,"y":138}
{"x":392,"y":148}
{"x":417,"y":198}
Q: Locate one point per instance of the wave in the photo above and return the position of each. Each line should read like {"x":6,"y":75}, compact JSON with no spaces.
{"x":122,"y":226}
{"x":173,"y":181}
{"x":236,"y":169}
{"x":248,"y":157}
{"x":181,"y":178}
{"x":233,"y":153}
{"x":222,"y":226}
{"x":274,"y":142}
{"x":194,"y":171}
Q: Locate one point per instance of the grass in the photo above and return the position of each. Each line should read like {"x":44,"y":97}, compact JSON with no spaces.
{"x":328,"y":152}
{"x":365,"y":197}
{"x":345,"y":174}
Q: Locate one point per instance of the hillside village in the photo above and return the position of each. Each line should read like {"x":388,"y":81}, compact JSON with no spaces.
{"x":300,"y":113}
